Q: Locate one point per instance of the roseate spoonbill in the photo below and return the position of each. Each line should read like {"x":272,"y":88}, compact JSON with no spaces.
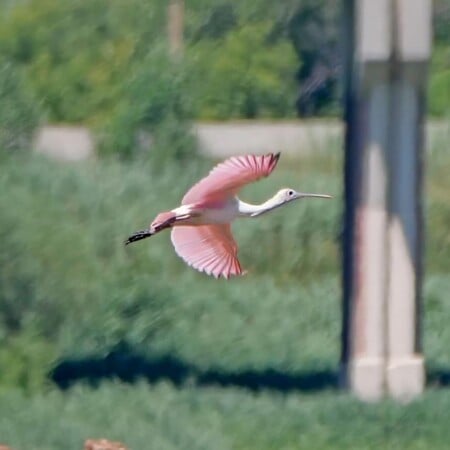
{"x":201,"y":231}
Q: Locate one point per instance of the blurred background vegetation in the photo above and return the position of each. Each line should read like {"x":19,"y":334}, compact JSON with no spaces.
{"x":242,"y":59}
{"x":75,"y":304}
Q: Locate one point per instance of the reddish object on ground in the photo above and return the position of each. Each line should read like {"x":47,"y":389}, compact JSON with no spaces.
{"x":102,"y":444}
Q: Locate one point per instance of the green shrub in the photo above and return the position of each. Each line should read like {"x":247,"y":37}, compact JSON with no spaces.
{"x":246,"y":59}
{"x":155,"y":105}
{"x":66,"y":273}
{"x":164,"y":417}
{"x":25,"y":361}
{"x":19,"y":111}
{"x":439,"y":82}
{"x":67,"y":276}
{"x":439,"y":92}
{"x":72,"y":278}
{"x":76,"y":54}
{"x":244,"y":75}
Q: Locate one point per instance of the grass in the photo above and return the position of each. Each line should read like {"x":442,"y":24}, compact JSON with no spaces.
{"x":70,"y":289}
{"x":163,"y":417}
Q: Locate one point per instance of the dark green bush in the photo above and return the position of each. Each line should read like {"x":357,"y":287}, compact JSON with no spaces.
{"x":439,"y":83}
{"x":25,"y":361}
{"x":165,"y":417}
{"x":19,"y":110}
{"x":153,"y":114}
{"x":67,"y":275}
{"x":76,"y":54}
{"x":68,"y":279}
{"x":254,"y":58}
{"x":244,"y":75}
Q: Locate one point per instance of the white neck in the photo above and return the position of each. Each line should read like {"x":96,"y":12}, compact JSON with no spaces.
{"x":249,"y":210}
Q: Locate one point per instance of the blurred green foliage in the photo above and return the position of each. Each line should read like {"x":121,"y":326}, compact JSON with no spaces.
{"x":19,"y":110}
{"x":77,"y":54}
{"x":67,"y":277}
{"x":244,"y":59}
{"x":25,"y":361}
{"x":69,"y":288}
{"x":153,"y":113}
{"x":441,"y":18}
{"x":244,"y":76}
{"x":439,"y":83}
{"x":167,"y":418}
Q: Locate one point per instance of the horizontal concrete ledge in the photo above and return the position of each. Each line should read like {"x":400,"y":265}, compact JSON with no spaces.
{"x":222,"y":139}
{"x":66,"y":143}
{"x":294,"y":137}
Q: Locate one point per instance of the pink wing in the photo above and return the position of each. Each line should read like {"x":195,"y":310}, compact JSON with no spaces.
{"x":228,"y":177}
{"x":208,"y":248}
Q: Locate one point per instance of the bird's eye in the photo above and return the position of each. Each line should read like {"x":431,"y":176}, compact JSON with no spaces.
{"x":290,"y":193}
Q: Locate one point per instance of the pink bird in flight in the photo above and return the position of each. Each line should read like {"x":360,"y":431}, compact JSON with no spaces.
{"x":201,"y":226}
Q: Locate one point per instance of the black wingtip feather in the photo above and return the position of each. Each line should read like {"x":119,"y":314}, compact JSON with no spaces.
{"x":274,"y":160}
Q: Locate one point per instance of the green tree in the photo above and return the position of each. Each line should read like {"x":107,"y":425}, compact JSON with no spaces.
{"x":19,"y":110}
{"x":77,"y":54}
{"x":245,"y":75}
{"x":439,"y":83}
{"x":153,"y":112}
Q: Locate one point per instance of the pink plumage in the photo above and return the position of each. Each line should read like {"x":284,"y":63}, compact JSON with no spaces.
{"x":212,"y":248}
{"x":227,"y":178}
{"x":201,"y":230}
{"x":208,"y":248}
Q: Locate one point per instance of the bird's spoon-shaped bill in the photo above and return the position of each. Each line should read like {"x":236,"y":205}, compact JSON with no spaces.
{"x":302,"y":194}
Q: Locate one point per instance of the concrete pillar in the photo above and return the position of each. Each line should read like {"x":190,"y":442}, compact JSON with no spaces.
{"x":405,"y":364}
{"x":382,"y":248}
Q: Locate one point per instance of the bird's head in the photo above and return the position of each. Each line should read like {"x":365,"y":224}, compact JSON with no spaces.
{"x":288,"y":195}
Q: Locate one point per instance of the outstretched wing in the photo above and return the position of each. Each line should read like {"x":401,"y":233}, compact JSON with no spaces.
{"x":228,"y":177}
{"x":208,"y":248}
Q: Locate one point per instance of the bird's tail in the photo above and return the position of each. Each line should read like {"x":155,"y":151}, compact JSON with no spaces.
{"x":138,"y":235}
{"x":162,"y":221}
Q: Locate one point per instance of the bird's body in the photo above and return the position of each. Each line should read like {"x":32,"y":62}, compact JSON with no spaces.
{"x":201,"y":232}
{"x":209,"y":212}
